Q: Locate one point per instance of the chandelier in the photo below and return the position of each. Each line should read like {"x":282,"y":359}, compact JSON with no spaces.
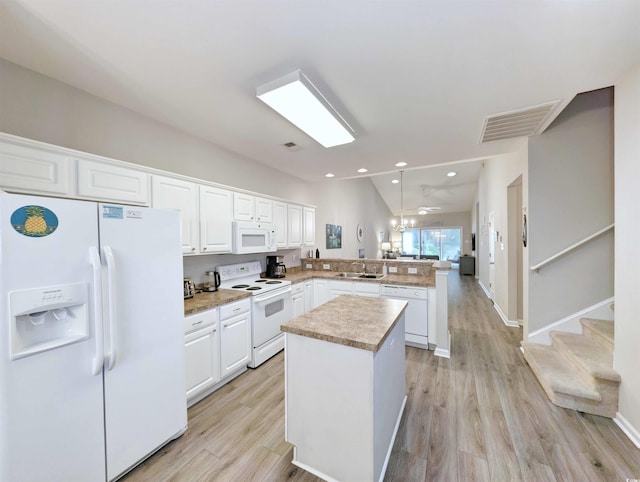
{"x":404,"y":223}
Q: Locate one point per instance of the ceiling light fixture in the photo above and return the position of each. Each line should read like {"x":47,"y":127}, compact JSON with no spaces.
{"x":404,"y":223}
{"x":401,"y":164}
{"x":329,"y":174}
{"x":362,"y":169}
{"x":451,"y":173}
{"x":394,"y":181}
{"x":296,"y":99}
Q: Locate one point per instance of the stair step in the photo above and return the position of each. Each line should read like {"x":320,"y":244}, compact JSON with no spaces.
{"x":556,"y":376}
{"x":588,"y":354}
{"x":599,"y":328}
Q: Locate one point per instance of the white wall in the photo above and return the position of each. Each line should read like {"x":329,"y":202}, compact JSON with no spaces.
{"x":570,"y":198}
{"x":496,"y":175}
{"x":348,"y":203}
{"x":627,"y":261}
{"x":40,"y":108}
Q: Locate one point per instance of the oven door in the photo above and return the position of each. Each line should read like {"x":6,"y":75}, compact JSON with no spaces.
{"x":270,"y":310}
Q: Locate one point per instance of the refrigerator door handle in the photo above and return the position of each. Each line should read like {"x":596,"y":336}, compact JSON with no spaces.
{"x":110,"y":358}
{"x":98,"y":359}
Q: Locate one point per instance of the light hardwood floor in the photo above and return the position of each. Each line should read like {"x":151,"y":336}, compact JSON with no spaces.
{"x":479,"y":416}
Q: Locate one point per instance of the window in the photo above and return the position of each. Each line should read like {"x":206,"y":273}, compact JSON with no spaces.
{"x":442,"y":242}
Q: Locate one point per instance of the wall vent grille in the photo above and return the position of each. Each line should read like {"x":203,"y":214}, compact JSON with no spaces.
{"x":529,"y":121}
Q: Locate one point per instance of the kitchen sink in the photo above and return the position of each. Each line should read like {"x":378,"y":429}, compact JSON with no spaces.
{"x":349,"y":275}
{"x":371,"y":276}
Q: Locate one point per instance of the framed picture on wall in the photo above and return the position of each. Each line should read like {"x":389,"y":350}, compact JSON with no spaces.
{"x":334,"y":236}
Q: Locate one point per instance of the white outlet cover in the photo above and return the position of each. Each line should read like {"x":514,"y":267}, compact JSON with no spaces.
{"x":326,"y":266}
{"x":413,"y":270}
{"x":309,"y":265}
{"x":393,"y":269}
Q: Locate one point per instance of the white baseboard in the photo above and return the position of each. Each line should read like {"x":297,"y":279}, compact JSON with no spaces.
{"x":571,"y":323}
{"x":486,"y":291}
{"x":628,"y":429}
{"x":505,"y":320}
{"x":444,"y":352}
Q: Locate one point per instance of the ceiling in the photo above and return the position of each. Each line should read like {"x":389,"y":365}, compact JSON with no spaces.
{"x":414,"y":78}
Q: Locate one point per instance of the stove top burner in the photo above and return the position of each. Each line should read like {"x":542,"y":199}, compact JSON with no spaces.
{"x":240,"y":286}
{"x":273,"y":282}
{"x":254,"y":288}
{"x":260,"y":281}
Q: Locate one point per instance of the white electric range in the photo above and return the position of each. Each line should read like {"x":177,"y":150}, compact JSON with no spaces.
{"x":270,"y":302}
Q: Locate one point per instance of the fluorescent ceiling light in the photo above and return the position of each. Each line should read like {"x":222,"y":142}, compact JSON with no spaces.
{"x":296,"y":99}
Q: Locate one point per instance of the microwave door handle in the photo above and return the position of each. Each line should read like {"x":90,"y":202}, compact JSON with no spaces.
{"x":96,"y":268}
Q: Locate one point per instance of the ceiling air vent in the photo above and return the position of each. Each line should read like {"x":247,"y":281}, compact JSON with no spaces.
{"x":517,"y":123}
{"x":291,"y":146}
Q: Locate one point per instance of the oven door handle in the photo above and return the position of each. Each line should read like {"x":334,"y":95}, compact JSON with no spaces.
{"x":260,"y":299}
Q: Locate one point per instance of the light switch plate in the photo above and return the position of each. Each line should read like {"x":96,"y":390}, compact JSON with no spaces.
{"x":393,"y":269}
{"x":326,"y":266}
{"x":413,"y":270}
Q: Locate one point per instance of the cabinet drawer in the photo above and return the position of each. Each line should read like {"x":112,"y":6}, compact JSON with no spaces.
{"x":200,"y":320}
{"x":235,"y":308}
{"x":297,"y":288}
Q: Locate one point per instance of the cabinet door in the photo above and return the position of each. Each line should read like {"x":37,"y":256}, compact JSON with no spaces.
{"x":202,"y":360}
{"x":298,"y":304}
{"x":168,"y":193}
{"x":366,"y":289}
{"x":338,"y":288}
{"x":308,"y":296}
{"x":309,"y":226}
{"x":106,"y":182}
{"x":216,"y":211}
{"x":294,"y":233}
{"x":235,"y":343}
{"x":264,"y":210}
{"x":320,"y":292}
{"x":280,"y":220}
{"x":34,"y":171}
{"x":243,"y":207}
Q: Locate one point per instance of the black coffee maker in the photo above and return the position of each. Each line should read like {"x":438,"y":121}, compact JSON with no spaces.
{"x":276,"y":267}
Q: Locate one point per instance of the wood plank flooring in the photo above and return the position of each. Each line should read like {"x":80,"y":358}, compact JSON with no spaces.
{"x":479,"y":416}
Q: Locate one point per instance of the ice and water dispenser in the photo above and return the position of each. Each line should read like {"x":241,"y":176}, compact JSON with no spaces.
{"x":46,"y":318}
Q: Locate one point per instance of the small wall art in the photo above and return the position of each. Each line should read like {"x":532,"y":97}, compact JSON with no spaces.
{"x":334,"y":236}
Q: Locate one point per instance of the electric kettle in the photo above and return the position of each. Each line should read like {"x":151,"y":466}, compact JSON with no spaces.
{"x":211,"y":281}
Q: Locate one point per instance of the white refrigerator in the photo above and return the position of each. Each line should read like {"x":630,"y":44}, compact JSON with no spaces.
{"x":92,"y":377}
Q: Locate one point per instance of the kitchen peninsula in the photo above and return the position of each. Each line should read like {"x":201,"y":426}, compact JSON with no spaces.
{"x":345,"y":386}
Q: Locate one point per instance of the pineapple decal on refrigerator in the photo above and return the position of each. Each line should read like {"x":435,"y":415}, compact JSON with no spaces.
{"x":34,"y":221}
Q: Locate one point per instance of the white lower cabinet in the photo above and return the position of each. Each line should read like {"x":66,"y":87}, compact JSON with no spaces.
{"x":297,"y":299}
{"x":308,"y":295}
{"x":217,"y":347}
{"x":235,"y":336}
{"x":321,"y":292}
{"x":359,"y":288}
{"x":202,"y":352}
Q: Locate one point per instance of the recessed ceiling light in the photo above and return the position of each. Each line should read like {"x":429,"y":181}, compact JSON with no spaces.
{"x":329,"y":174}
{"x":422,"y":212}
{"x":401,"y":164}
{"x":362,"y":169}
{"x":451,"y":173}
{"x":395,"y":181}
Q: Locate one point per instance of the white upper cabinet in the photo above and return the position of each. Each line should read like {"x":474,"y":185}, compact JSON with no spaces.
{"x":252,"y":208}
{"x":34,"y":170}
{"x":106,"y":182}
{"x":294,"y":233}
{"x":216,"y":211}
{"x":280,"y":220}
{"x":170,"y":193}
{"x":309,"y":226}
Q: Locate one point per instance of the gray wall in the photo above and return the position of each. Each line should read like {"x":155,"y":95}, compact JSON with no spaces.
{"x":40,"y":108}
{"x":570,"y":198}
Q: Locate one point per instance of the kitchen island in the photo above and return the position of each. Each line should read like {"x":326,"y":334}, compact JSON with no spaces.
{"x":345,"y":386}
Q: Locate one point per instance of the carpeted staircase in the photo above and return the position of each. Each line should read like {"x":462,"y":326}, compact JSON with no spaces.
{"x":576,"y":370}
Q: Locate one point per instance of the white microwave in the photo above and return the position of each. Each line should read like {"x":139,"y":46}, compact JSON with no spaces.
{"x":251,"y":237}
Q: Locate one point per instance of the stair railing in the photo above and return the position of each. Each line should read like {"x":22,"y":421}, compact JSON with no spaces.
{"x":559,"y":254}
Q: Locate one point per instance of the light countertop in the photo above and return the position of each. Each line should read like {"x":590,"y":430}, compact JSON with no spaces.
{"x":355,"y":321}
